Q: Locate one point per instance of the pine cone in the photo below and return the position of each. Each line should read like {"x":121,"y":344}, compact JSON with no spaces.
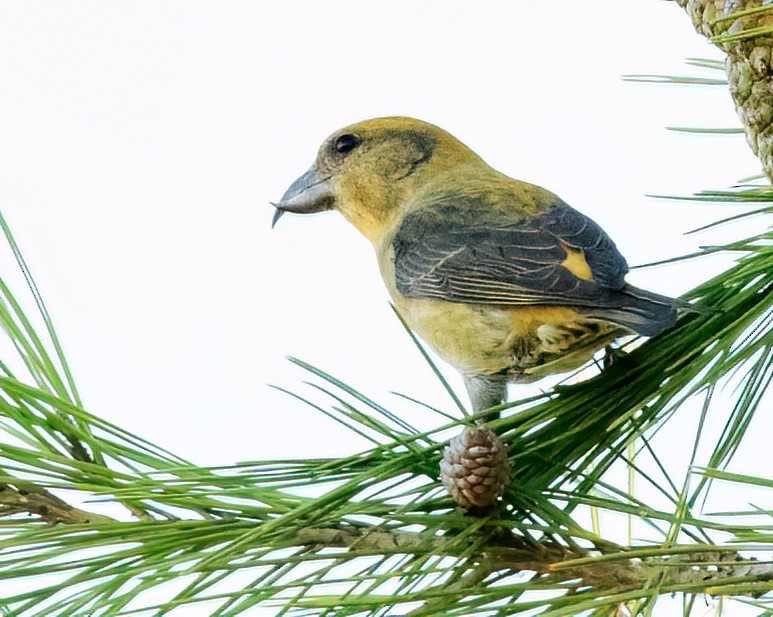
{"x":741,"y":29}
{"x":474,"y":468}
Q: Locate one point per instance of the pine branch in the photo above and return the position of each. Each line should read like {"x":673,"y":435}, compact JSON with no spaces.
{"x":552,"y":562}
{"x":27,"y":498}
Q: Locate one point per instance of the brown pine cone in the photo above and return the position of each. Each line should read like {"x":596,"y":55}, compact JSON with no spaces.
{"x":475,"y":468}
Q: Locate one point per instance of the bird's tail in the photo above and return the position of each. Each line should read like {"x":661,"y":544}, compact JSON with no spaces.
{"x":641,"y":311}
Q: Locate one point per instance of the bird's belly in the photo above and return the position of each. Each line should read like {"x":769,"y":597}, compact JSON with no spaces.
{"x":528,"y":343}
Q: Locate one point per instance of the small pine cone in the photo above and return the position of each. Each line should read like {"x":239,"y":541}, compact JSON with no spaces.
{"x":474,"y":467}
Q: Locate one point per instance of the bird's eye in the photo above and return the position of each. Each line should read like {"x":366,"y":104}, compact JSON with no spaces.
{"x":346,"y":143}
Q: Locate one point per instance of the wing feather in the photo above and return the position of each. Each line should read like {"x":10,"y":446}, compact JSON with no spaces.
{"x":506,"y":263}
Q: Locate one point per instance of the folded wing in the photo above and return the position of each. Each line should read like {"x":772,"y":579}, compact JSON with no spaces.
{"x":560,"y":257}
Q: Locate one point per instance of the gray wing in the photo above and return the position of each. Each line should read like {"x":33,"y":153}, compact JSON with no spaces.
{"x":504,"y":263}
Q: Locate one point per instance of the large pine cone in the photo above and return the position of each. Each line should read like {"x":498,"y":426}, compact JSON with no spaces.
{"x":474,"y":467}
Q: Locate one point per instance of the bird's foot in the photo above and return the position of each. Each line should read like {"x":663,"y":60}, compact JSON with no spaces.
{"x":612,"y":355}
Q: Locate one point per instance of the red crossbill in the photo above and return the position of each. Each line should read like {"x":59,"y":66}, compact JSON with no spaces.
{"x":503,"y":279}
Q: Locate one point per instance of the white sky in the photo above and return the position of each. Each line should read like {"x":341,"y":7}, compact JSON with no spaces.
{"x":140,"y":144}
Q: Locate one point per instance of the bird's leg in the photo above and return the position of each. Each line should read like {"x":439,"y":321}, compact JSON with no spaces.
{"x":486,"y":391}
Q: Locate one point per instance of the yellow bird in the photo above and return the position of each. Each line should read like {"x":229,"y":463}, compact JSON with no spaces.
{"x":503,"y":279}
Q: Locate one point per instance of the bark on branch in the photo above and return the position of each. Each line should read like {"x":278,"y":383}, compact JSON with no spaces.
{"x":551,"y":561}
{"x":30,"y":499}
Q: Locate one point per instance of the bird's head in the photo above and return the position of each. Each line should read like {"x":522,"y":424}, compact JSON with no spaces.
{"x":368,"y":171}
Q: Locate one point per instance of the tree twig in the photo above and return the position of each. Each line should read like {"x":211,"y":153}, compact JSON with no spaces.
{"x":25,"y":498}
{"x":552,"y":561}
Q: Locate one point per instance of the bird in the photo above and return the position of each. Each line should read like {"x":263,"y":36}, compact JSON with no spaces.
{"x":502,"y":278}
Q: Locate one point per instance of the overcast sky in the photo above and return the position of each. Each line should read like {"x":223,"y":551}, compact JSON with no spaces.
{"x":141,"y":143}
